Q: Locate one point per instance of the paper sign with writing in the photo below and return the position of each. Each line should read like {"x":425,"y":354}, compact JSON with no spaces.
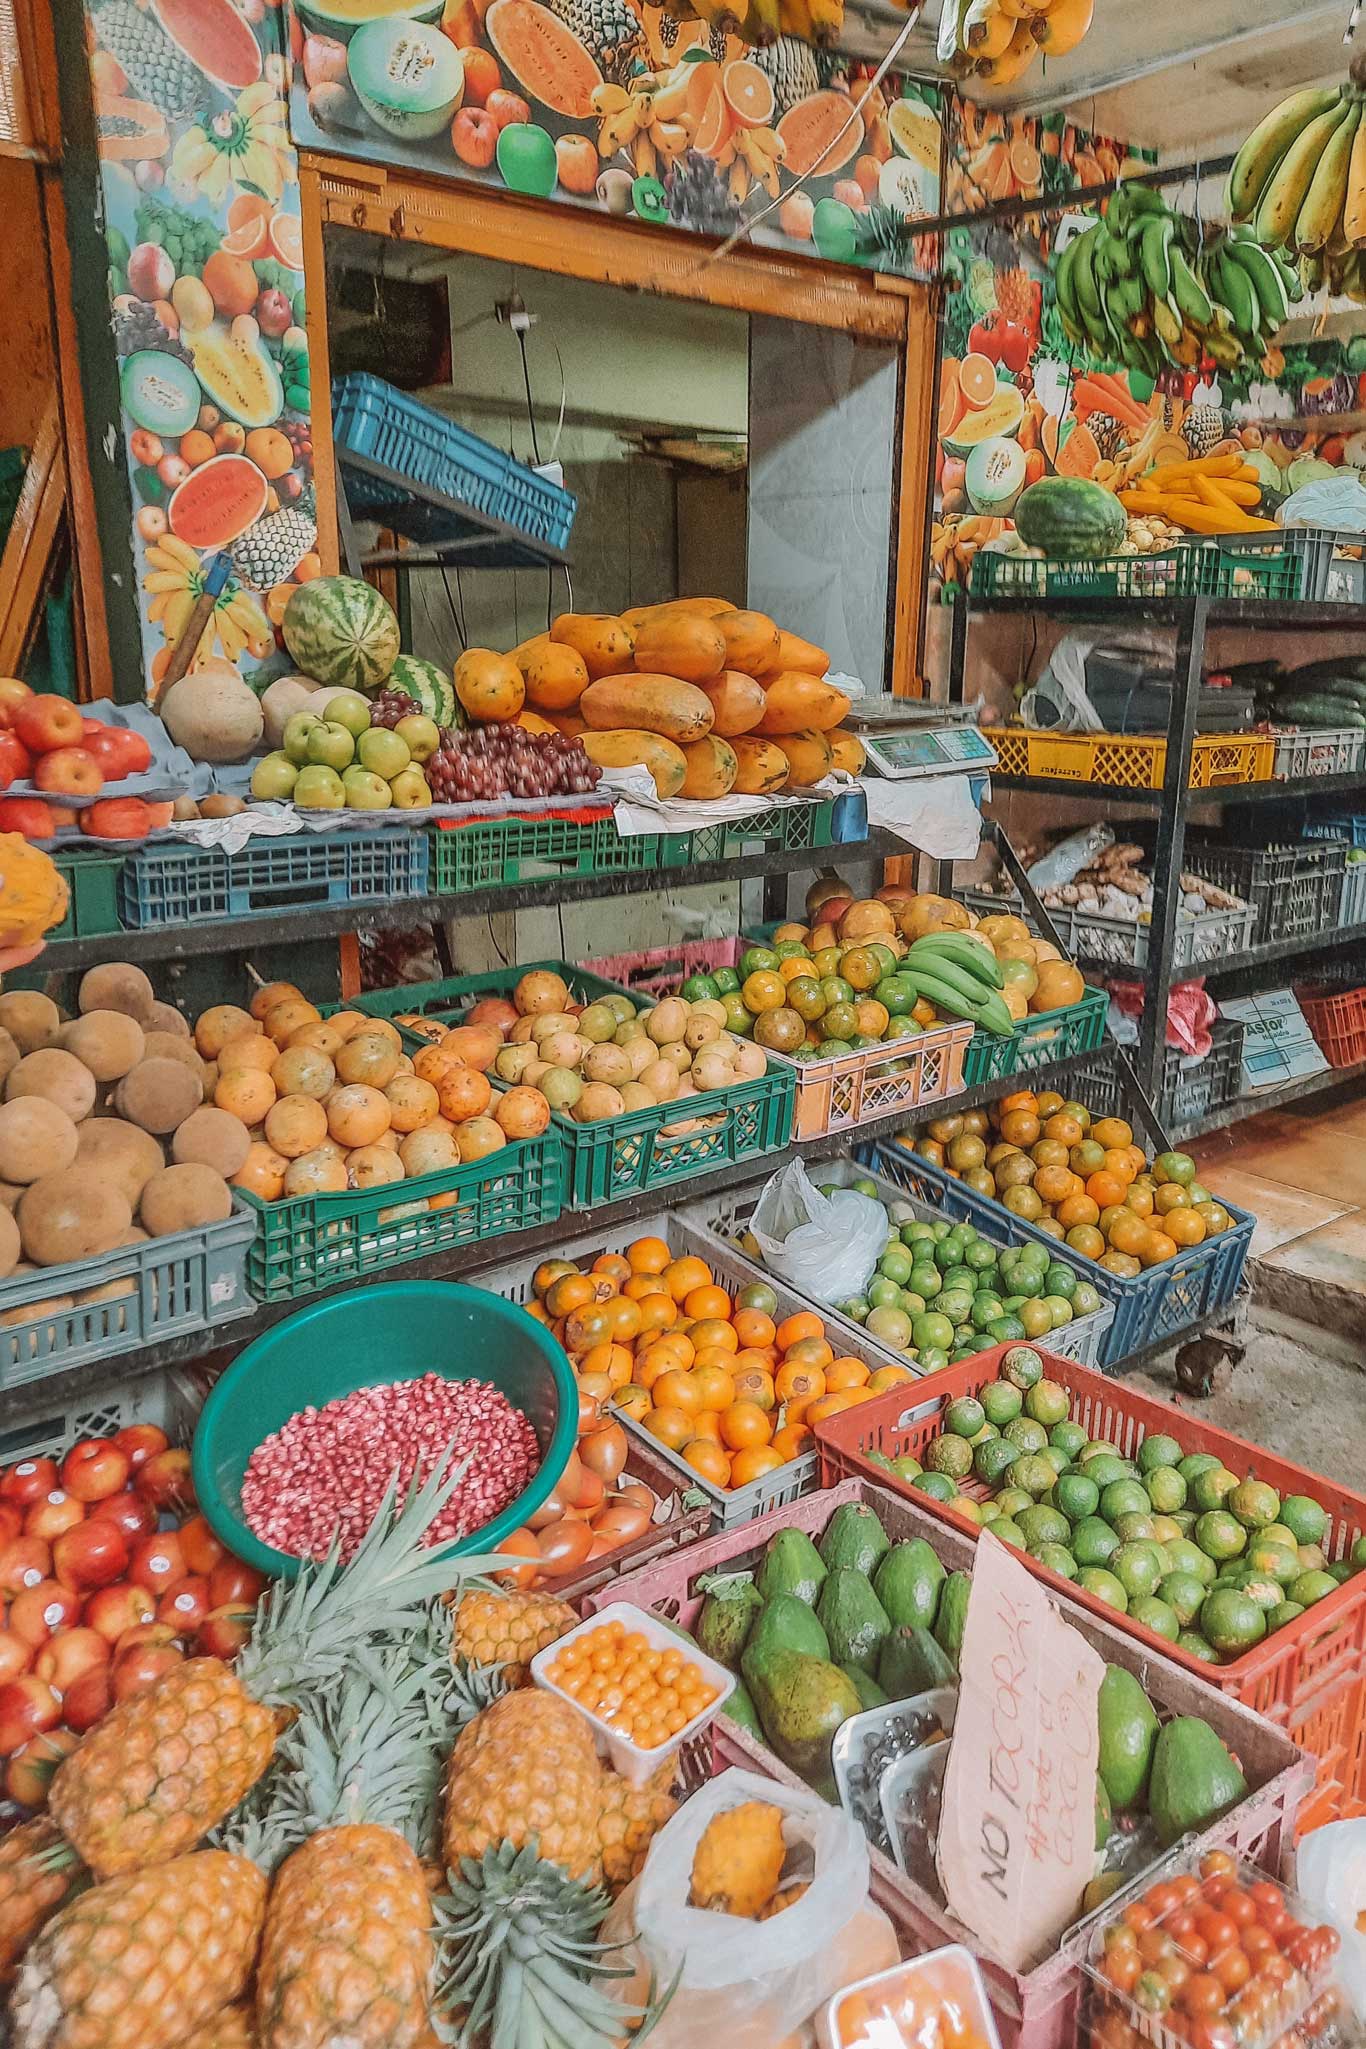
{"x":1017,"y":1835}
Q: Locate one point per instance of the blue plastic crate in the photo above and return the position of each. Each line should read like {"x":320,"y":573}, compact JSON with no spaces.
{"x":180,"y":885}
{"x":424,"y":453}
{"x":1350,"y":828}
{"x":1152,"y":1307}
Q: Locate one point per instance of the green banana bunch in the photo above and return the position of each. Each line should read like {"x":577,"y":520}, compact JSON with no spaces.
{"x":1300,"y":180}
{"x":961,"y":976}
{"x":1146,"y":287}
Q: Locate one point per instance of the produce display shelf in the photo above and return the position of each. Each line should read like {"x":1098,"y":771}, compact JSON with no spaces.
{"x":1159,"y":1303}
{"x":1035,"y":2009}
{"x":1308,"y":1677}
{"x":786,"y":825}
{"x":1240,"y":794}
{"x":491,"y":852}
{"x":1129,"y":761}
{"x":1188,"y":1093}
{"x":1256,"y":614}
{"x":638,"y":1149}
{"x":93,"y":880}
{"x":1273,"y":1099}
{"x":1295,"y":890}
{"x":163,"y":884}
{"x":1202,"y":939}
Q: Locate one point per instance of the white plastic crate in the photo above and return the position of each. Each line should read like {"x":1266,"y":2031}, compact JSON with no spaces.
{"x":1306,"y":752}
{"x":1353,"y":910}
{"x":51,"y":1426}
{"x":1123,"y":942}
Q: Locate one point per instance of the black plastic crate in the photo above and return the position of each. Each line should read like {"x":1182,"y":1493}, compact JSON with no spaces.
{"x":1295,"y":891}
{"x":1187,"y":1094}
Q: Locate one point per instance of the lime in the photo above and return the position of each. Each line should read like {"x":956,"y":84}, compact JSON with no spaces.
{"x":1093,"y":1541}
{"x":915,"y":1233}
{"x":1138,"y":1568}
{"x":1060,"y":1280}
{"x":993,"y":1458}
{"x":1273,"y":1561}
{"x":1196,"y":1646}
{"x":1036,"y":1318}
{"x":1283,"y":1612}
{"x":931,"y":1329}
{"x":1047,"y":1402}
{"x":1255,"y":1504}
{"x":896,"y":1263}
{"x":949,"y":1454}
{"x":907,"y":1466}
{"x":1183,"y":1593}
{"x":1220,"y":1535}
{"x":1043,"y":1526}
{"x":1157,"y":1615}
{"x":1278,"y":1533}
{"x":1264,"y":1592}
{"x":924,"y":1280}
{"x":1311,"y":1587}
{"x":1311,"y":1557}
{"x":1087,"y":1300}
{"x":1166,"y":1488}
{"x":1158,"y":1451}
{"x":984,"y":1435}
{"x":1009,"y":1532}
{"x":1025,"y":1434}
{"x":1230,"y":1621}
{"x":963,"y":1504}
{"x":987,"y":1511}
{"x":1068,"y":1437}
{"x":1212,"y":1488}
{"x":756,"y":960}
{"x":1005,"y":1330}
{"x":1304,"y":1518}
{"x":1122,"y":1497}
{"x":948,"y":1252}
{"x":964,"y":1417}
{"x":1057,"y":1558}
{"x":1178,"y":1167}
{"x":1057,"y":1459}
{"x":1096,"y":1580}
{"x":955,"y":1303}
{"x":937,"y":1485}
{"x":1023,"y":1368}
{"x":1185,"y":1520}
{"x":1195,"y":1463}
{"x":1357,"y":1554}
{"x":986,"y":1308}
{"x":1134,"y":1528}
{"x":1012,"y":1499}
{"x":890,"y":1327}
{"x":1096,"y":1446}
{"x":700,"y":989}
{"x":883,"y":1293}
{"x":1104,"y":1468}
{"x":727,"y":981}
{"x":738,"y":1019}
{"x":1076,"y":1496}
{"x":897,"y":994}
{"x":932,"y":1358}
{"x":878,"y":1458}
{"x":1033,"y":1474}
{"x":1342,"y":1571}
{"x":1165,"y":1527}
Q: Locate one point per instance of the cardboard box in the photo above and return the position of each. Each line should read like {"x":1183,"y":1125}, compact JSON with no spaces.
{"x":1277,"y":1046}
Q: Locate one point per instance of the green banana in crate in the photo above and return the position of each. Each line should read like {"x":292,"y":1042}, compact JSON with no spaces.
{"x":972,"y":954}
{"x":1300,"y":179}
{"x":960,"y":976}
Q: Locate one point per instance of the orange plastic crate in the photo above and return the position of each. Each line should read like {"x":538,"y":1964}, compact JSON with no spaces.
{"x":1337,"y":1020}
{"x":1131,"y":761}
{"x":1309,"y":1678}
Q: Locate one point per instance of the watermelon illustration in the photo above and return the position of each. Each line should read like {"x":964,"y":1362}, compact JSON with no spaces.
{"x":431,"y":687}
{"x":218,"y":502}
{"x":341,"y":632}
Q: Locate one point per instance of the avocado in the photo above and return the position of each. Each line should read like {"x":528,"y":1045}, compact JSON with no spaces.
{"x":907,"y":1583}
{"x":786,"y":1623}
{"x":953,"y":1614}
{"x":791,"y":1565}
{"x":741,"y":1710}
{"x":801,"y":1701}
{"x":853,"y":1618}
{"x":866,"y":1687}
{"x":854,"y":1539}
{"x":1128,"y":1730}
{"x":912,"y":1662}
{"x":1104,"y":1821}
{"x":727,"y":1614}
{"x":1194,"y":1780}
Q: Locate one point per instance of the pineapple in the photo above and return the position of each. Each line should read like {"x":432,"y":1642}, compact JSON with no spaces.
{"x":1203,"y":428}
{"x":37,"y":1874}
{"x":631,"y":1818}
{"x":792,"y":68}
{"x":738,"y":1863}
{"x":508,"y":1629}
{"x":166,"y":1766}
{"x":526,"y":1771}
{"x":143,"y":1960}
{"x":232,"y":2028}
{"x":270,"y":551}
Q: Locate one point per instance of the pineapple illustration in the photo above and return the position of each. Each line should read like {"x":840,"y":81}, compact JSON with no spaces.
{"x":792,"y":68}
{"x":270,"y":551}
{"x":1203,"y":428}
{"x":610,"y":29}
{"x":157,"y":70}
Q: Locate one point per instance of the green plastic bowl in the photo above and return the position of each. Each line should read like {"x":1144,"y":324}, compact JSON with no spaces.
{"x":335,"y":1347}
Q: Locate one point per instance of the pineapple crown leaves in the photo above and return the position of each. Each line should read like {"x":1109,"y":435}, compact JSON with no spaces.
{"x":370,"y":1751}
{"x":308,"y":1629}
{"x":516,"y":1937}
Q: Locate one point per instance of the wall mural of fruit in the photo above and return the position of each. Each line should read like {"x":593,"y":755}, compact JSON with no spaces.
{"x":207,"y":304}
{"x":617,"y":106}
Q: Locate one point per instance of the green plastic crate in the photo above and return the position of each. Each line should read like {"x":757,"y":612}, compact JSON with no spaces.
{"x":492,"y":852}
{"x":308,"y":1242}
{"x":1255,"y":568}
{"x":1058,"y":1034}
{"x":989,"y":1058}
{"x":623,"y":1154}
{"x":788,"y":826}
{"x":93,"y":880}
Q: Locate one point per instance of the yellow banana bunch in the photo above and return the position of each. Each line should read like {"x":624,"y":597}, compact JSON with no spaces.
{"x":999,"y":39}
{"x":175,"y":580}
{"x":1300,"y":179}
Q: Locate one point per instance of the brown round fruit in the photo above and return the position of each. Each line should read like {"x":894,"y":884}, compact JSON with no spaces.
{"x":32,"y":1020}
{"x":159,"y":1095}
{"x":36,"y":1138}
{"x":58,"y":1078}
{"x":184,"y":1198}
{"x":117,"y":986}
{"x":122,"y":1154}
{"x":211,"y":1138}
{"x":69,"y":1215}
{"x":108,"y":1042}
{"x":779,"y":1031}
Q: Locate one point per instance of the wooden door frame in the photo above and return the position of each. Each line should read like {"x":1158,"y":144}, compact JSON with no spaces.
{"x":463,"y":220}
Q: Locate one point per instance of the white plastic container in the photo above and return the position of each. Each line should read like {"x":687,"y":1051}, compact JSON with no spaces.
{"x":951,"y":1972}
{"x":627,"y":1758}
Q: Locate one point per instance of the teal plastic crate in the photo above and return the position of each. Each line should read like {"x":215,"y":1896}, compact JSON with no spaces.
{"x":789,"y":826}
{"x":624,"y":1154}
{"x":93,"y":880}
{"x":1058,"y":1034}
{"x":989,"y":1058}
{"x":491,"y":852}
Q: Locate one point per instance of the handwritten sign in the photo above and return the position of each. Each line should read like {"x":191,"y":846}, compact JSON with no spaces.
{"x":1017,"y":1835}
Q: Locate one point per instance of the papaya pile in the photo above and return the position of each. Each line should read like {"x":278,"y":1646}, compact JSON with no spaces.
{"x":710,"y":699}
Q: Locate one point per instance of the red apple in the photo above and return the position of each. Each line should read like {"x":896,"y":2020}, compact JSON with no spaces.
{"x":15,"y":1655}
{"x":164,"y":1480}
{"x":224,"y":1631}
{"x":29,"y":1481}
{"x":16,"y":763}
{"x":140,"y":1441}
{"x":95,"y":1469}
{"x":11,"y":1520}
{"x":65,"y":1656}
{"x":507,"y":107}
{"x":28,"y":1705}
{"x":157,"y":1562}
{"x":23,"y":1562}
{"x":139,"y":1669}
{"x":30,"y":1772}
{"x":233,"y":1582}
{"x":118,"y":1608}
{"x":134,"y":1516}
{"x":39,"y":1612}
{"x":88,"y":1699}
{"x":94,"y":1554}
{"x":73,"y":770}
{"x":12,"y":692}
{"x":202,"y":1549}
{"x":29,"y":816}
{"x":45,"y":723}
{"x":144,"y":1633}
{"x":56,"y":1512}
{"x":119,"y":750}
{"x":474,"y":137}
{"x":117,"y":818}
{"x":186,"y":1606}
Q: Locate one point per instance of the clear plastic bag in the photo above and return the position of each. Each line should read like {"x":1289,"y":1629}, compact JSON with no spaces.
{"x":828,"y":1245}
{"x":751,"y":1984}
{"x":1330,"y":1874}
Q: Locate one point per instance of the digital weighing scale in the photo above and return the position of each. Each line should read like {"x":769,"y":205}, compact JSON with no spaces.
{"x":905,"y":737}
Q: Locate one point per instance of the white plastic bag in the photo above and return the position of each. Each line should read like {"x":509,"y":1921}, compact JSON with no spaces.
{"x":1059,"y":700}
{"x":828,"y":1245}
{"x":746,"y":1983}
{"x":1330,"y":1875}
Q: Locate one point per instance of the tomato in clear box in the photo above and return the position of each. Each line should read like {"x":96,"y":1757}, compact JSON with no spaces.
{"x":931,"y":2002}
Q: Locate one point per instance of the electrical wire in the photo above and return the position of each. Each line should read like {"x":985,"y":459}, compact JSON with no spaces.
{"x":530,"y":408}
{"x":457,"y":612}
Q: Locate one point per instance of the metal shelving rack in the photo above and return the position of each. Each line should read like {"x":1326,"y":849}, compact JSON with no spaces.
{"x":1191,"y":620}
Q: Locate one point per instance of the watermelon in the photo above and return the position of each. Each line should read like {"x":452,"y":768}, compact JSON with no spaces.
{"x":430,"y":686}
{"x":1070,"y":518}
{"x":341,"y":632}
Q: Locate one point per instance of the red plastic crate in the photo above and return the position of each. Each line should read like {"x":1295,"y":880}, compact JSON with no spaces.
{"x":1338,"y":1023}
{"x":1035,"y":2009}
{"x":1309,"y":1678}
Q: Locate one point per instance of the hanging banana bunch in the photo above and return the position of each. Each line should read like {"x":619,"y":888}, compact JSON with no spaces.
{"x":1300,"y":182}
{"x":998,"y":40}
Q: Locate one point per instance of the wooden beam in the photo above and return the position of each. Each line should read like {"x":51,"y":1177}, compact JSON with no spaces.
{"x":28,"y":548}
{"x":914,"y":459}
{"x":312,"y":218}
{"x":97,"y":677}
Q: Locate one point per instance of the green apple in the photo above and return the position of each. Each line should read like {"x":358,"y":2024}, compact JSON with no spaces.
{"x":410,"y":790}
{"x":319,"y":789}
{"x":274,"y":776}
{"x":421,"y":735}
{"x":382,"y":752}
{"x":330,"y":745}
{"x":348,"y":708}
{"x":365,"y":791}
{"x":297,"y":733}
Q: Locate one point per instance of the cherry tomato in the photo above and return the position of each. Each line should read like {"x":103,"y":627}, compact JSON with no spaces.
{"x":1175,"y":1970}
{"x":1194,"y":1948}
{"x":1233,"y":1969}
{"x":1119,"y":1935}
{"x":1219,"y":1932}
{"x":1152,"y":1993}
{"x":1258,"y":1943}
{"x":1266,"y":1894}
{"x":1202,"y":1994}
{"x":1240,"y":1907}
{"x":1137,"y":1917}
{"x":1160,"y":1899}
{"x":1123,"y":1968}
{"x":1186,"y":1886}
{"x":1211,"y":2035}
{"x":1154,"y":1944}
{"x":1218,"y":1864}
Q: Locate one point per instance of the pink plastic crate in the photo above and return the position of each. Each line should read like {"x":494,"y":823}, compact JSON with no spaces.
{"x":662,"y":970}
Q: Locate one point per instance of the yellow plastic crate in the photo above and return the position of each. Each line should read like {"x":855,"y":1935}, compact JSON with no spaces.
{"x":1128,"y":761}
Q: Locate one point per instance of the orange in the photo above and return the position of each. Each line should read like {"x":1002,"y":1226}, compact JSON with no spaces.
{"x":753,"y":1464}
{"x":1105,"y":1189}
{"x":1139,"y":1200}
{"x":715,"y":1355}
{"x":1055,"y":1184}
{"x":250,"y":1050}
{"x":752,"y":1327}
{"x":1023,"y":1099}
{"x":744,"y":1425}
{"x":1078,"y":1209}
{"x":670,"y":1426}
{"x":1112,"y":1131}
{"x":657,"y":1312}
{"x":1158,"y":1248}
{"x":1118,"y":1163}
{"x":709,"y":1461}
{"x":535,"y":1310}
{"x":570,"y":1292}
{"x":589,"y":1326}
{"x":1129,"y":1234}
{"x":649,"y":1256}
{"x":247,"y":1094}
{"x":708,"y":1301}
{"x":792,"y":1440}
{"x":641,"y":1287}
{"x":889,"y":1376}
{"x":713,"y":1332}
{"x":794,"y":967}
{"x":1087,"y":1240}
{"x":614,"y":1266}
{"x":613,"y":1360}
{"x":1064,"y":1126}
{"x":677,"y":1389}
{"x":625,"y":1317}
{"x":754,"y":1384}
{"x":809,"y":1352}
{"x":706,"y":1424}
{"x":796,"y":1406}
{"x":842,"y":1374}
{"x":715,"y":1388}
{"x":831,"y":1405}
{"x":793,"y":1329}
{"x":1186,"y":1227}
{"x":1171,"y":1195}
{"x":1050,"y":1152}
{"x":1138,"y":1157}
{"x":799,"y":1383}
{"x":549,"y":1271}
{"x":685,"y":1274}
{"x":763,"y":991}
{"x":1020,"y":1127}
